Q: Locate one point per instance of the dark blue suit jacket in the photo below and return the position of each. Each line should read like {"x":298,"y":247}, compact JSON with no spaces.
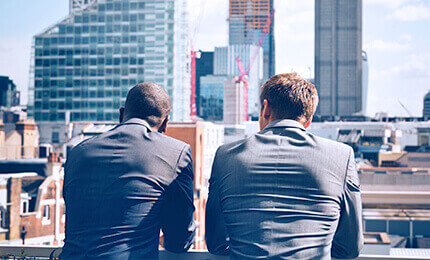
{"x":284,"y":194}
{"x":121,"y":188}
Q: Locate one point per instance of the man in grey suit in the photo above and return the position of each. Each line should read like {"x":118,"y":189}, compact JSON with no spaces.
{"x":283,"y":192}
{"x":123,"y":186}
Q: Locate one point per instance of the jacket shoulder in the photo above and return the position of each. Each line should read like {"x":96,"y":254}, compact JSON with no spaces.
{"x":172,"y":142}
{"x":225,"y":148}
{"x":328,"y":144}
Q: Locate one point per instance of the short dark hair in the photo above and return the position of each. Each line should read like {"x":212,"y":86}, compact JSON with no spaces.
{"x":148,"y":101}
{"x":290,"y":97}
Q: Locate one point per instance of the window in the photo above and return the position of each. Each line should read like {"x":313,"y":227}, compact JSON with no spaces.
{"x":24,"y":206}
{"x":55,"y":137}
{"x":46,"y":212}
{"x":3,"y":217}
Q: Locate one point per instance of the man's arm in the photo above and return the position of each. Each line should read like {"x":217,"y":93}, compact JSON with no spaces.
{"x":215,"y":233}
{"x":348,"y":239}
{"x":177,"y":217}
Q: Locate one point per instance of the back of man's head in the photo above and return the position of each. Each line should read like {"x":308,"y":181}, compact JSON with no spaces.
{"x":147,"y":101}
{"x":290,"y":97}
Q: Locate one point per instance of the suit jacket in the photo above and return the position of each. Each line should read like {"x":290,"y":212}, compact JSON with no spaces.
{"x":121,"y":188}
{"x":284,"y":193}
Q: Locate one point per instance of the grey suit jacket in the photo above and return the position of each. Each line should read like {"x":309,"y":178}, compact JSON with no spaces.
{"x":284,"y":193}
{"x":121,"y":188}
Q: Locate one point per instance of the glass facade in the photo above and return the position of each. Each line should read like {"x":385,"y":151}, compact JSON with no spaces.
{"x":211,"y":97}
{"x":85,"y":64}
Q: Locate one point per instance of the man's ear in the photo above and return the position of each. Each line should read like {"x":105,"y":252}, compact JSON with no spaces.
{"x":121,"y":114}
{"x":163,"y":126}
{"x":266,"y":109}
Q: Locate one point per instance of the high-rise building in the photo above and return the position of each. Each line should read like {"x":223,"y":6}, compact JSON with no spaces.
{"x":426,"y":106}
{"x":85,"y":64}
{"x":247,"y":21}
{"x":212,"y":97}
{"x":251,"y":57}
{"x":365,"y":83}
{"x":338,"y":56}
{"x":9,"y":95}
{"x":234,"y":112}
{"x":204,"y":66}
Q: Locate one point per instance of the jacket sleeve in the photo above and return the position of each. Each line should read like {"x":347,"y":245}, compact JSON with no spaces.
{"x":178,"y":209}
{"x":215,"y":233}
{"x":348,"y":239}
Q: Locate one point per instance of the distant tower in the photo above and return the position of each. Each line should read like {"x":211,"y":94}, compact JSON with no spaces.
{"x":365,"y":83}
{"x":204,"y":66}
{"x":247,"y":20}
{"x":426,"y":107}
{"x":338,"y":56}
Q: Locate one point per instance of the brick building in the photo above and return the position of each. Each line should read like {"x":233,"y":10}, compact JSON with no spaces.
{"x":33,"y":202}
{"x":204,"y":138}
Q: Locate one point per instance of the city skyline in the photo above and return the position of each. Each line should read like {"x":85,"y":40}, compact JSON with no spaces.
{"x":390,"y":39}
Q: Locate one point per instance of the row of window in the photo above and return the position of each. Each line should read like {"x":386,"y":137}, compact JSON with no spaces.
{"x":76,"y":31}
{"x":101,"y":51}
{"x":151,"y":41}
{"x":52,"y":84}
{"x":153,"y":69}
{"x":61,"y":105}
{"x":115,"y":61}
{"x":95,"y":72}
{"x":78,"y":93}
{"x":25,"y":208}
{"x":77,"y":116}
{"x":62,"y":85}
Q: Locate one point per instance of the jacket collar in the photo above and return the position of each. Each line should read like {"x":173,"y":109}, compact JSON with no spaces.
{"x":137,"y":121}
{"x":285,"y":123}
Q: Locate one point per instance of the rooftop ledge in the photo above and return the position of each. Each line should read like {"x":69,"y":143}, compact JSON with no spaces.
{"x":52,"y":252}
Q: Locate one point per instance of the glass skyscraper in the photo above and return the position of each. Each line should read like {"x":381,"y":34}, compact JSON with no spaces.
{"x":84,"y":65}
{"x":212,"y":97}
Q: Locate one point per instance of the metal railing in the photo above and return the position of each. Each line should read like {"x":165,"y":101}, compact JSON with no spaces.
{"x":52,"y":252}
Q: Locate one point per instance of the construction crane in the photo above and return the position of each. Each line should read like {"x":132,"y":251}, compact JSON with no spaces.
{"x":404,"y":107}
{"x":194,"y":55}
{"x":193,"y":107}
{"x":244,"y":73}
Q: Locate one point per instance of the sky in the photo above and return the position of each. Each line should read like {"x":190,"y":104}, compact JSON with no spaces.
{"x":396,"y":37}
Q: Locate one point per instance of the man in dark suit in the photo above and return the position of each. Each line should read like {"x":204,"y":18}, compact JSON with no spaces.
{"x":123,"y":186}
{"x":283,"y":192}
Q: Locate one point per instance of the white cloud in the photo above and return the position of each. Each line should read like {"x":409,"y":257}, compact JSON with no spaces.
{"x":301,"y":17}
{"x":406,"y":37}
{"x":208,"y":23}
{"x":411,"y":13}
{"x":295,"y":5}
{"x":392,"y":4}
{"x":417,"y":66}
{"x":386,"y":46}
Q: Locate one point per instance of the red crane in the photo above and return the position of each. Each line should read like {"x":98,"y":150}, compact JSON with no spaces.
{"x":193,"y":108}
{"x":244,"y":73}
